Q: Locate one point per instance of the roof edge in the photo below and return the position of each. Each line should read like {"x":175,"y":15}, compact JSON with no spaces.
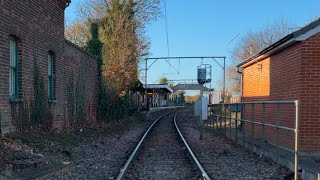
{"x":149,"y":86}
{"x":67,"y":3}
{"x":269,"y":48}
{"x":79,"y":48}
{"x":280,"y":44}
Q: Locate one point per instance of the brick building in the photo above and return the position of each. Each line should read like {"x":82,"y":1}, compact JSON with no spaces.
{"x":33,"y":32}
{"x":289,"y":70}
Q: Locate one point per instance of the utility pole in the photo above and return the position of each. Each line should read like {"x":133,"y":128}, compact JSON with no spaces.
{"x":145,"y":83}
{"x":224,"y":80}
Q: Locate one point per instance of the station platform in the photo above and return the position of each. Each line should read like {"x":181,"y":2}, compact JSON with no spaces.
{"x":155,"y":109}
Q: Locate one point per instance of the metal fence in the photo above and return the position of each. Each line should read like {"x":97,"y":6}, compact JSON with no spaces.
{"x":269,"y":120}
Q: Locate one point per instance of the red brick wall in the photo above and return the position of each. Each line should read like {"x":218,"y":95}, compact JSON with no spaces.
{"x":294,"y":73}
{"x":39,"y":26}
{"x":79,"y":66}
{"x":310,"y":94}
{"x":257,"y":79}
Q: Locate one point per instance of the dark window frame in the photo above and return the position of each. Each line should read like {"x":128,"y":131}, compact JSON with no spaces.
{"x":51,"y":76}
{"x":14,"y":68}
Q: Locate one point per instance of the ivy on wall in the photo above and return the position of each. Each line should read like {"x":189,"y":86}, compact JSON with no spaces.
{"x":33,"y":114}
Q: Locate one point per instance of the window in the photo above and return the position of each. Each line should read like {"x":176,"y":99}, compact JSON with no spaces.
{"x":50,"y":76}
{"x":13,"y":78}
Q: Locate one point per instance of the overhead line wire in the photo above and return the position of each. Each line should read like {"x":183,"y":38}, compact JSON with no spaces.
{"x":167,"y":35}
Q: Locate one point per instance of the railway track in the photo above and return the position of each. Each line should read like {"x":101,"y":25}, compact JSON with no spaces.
{"x":222,"y":158}
{"x":162,"y":153}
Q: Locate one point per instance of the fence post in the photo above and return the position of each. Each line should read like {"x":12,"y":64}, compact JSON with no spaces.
{"x":296,"y":155}
{"x":277,"y":141}
{"x":230,"y":119}
{"x":243,"y":124}
{"x":225,"y":121}
{"x":212,"y":121}
{"x":217,"y":123}
{"x":263,"y":119}
{"x":236,"y":123}
{"x":212,"y":118}
{"x":252,"y":124}
{"x":220,"y":123}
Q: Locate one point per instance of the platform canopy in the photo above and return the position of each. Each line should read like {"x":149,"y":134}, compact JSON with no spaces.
{"x":163,"y":87}
{"x":190,"y":87}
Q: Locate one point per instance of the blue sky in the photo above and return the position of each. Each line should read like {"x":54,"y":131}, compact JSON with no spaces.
{"x":205,"y":27}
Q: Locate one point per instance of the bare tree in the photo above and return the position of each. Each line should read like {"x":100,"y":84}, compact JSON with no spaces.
{"x":251,"y":44}
{"x":78,"y":32}
{"x":123,"y":34}
{"x":146,"y":10}
{"x":93,"y":9}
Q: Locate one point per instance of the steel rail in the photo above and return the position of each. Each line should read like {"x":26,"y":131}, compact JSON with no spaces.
{"x":204,"y":174}
{"x":125,"y":167}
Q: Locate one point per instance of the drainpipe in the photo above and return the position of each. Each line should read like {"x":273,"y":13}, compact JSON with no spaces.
{"x":239,"y":70}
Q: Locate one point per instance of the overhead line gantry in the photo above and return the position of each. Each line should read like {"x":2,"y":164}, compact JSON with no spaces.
{"x":214,"y":58}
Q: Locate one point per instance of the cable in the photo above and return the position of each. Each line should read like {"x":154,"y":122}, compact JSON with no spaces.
{"x":167,"y":35}
{"x":233,"y":39}
{"x":166,"y":19}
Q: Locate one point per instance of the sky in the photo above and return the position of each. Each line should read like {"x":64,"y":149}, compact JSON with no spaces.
{"x":207,"y":28}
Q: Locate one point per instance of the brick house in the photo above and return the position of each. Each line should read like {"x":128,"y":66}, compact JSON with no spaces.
{"x":33,"y":32}
{"x":289,"y":70}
